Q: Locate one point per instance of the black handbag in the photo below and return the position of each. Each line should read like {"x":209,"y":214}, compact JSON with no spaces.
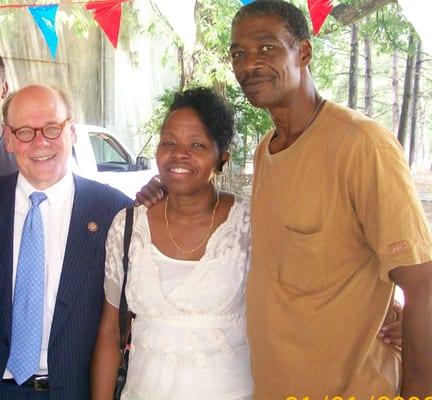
{"x":123,"y":309}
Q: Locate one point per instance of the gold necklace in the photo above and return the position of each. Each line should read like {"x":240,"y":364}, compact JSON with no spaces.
{"x":204,"y":241}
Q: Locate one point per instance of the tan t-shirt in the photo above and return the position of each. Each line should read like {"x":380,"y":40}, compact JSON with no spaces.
{"x":331,"y":216}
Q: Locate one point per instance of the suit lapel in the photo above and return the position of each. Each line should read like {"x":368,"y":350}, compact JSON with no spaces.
{"x":79,"y":253}
{"x":7,"y":211}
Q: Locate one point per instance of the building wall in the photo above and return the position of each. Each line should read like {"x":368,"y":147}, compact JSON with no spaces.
{"x":75,"y":69}
{"x":137,"y":87}
{"x":106,"y":89}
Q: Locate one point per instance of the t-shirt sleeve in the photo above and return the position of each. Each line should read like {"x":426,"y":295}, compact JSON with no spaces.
{"x":114,"y":260}
{"x":389,"y":209}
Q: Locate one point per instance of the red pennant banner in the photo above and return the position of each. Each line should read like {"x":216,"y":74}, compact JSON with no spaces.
{"x":108,"y":16}
{"x":318,"y":11}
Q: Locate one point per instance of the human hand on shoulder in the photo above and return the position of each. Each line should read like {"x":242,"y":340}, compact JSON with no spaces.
{"x":151,"y":193}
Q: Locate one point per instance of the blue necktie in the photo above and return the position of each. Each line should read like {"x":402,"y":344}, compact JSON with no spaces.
{"x":27,"y":312}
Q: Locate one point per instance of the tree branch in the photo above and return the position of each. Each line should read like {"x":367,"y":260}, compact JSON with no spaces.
{"x":347,"y":14}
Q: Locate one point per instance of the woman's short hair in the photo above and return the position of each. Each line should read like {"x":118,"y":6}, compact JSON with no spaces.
{"x":213,"y":111}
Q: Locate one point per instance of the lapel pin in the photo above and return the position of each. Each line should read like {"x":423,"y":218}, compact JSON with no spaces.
{"x":92,"y":226}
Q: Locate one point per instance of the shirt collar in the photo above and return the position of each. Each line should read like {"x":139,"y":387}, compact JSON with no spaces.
{"x":56,"y":194}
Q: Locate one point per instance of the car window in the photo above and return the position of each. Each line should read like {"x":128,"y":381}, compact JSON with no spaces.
{"x":109,"y":156}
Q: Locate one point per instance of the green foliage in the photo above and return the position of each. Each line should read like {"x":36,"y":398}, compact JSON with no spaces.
{"x":213,"y":38}
{"x":388,"y":29}
{"x":154,"y":124}
{"x":215,"y":20}
{"x":130,"y":28}
{"x":159,"y":27}
{"x":324,"y":63}
{"x":251,"y":124}
{"x":80,"y":20}
{"x":212,"y":68}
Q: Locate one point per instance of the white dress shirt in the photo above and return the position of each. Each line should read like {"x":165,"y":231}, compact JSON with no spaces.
{"x":56,"y":212}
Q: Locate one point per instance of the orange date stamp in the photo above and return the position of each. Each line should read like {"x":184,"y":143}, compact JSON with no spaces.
{"x":372,"y":397}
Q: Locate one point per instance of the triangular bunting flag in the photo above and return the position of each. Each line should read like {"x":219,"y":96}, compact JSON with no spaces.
{"x":45,"y":18}
{"x":108,"y":15}
{"x":247,"y":1}
{"x":318,"y":11}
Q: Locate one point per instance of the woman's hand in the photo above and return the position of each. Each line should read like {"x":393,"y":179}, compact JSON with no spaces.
{"x":391,"y":333}
{"x":151,"y":193}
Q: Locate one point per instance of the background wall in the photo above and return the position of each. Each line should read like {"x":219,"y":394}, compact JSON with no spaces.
{"x":107,"y":89}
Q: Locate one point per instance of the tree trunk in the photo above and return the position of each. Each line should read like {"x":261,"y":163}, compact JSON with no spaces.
{"x":395,"y":91}
{"x":245,"y":150}
{"x":368,"y":93}
{"x":186,"y":67}
{"x":422,"y":132}
{"x":353,"y":69}
{"x":348,"y":14}
{"x":182,"y":66}
{"x":415,"y":102}
{"x":407,"y":92}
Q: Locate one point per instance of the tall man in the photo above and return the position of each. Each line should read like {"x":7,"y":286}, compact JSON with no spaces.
{"x":7,"y":160}
{"x":51,"y":272}
{"x":336,"y":221}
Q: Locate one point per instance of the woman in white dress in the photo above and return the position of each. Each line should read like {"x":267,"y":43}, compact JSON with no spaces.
{"x":189,"y":258}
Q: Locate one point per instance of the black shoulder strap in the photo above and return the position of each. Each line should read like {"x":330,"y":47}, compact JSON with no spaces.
{"x":123,"y":310}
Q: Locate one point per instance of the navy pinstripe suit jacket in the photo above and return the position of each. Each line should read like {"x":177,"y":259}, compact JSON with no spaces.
{"x":80,"y":294}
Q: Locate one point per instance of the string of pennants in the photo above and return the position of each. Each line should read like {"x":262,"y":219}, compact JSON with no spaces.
{"x":107,"y":14}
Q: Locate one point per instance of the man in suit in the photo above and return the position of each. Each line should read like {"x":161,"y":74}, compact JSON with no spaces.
{"x":75,"y":214}
{"x":7,"y":160}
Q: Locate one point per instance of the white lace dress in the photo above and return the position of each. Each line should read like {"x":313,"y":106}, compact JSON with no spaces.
{"x":191,"y":343}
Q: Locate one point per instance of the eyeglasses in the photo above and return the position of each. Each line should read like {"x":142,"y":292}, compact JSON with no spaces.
{"x":27,"y":134}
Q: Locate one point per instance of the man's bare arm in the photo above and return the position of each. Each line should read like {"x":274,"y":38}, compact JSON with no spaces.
{"x":416,"y":283}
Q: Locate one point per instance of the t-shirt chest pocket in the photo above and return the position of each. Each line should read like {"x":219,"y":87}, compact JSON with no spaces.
{"x":301,"y":262}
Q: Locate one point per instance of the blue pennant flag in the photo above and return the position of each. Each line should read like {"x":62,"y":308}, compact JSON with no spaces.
{"x":44,"y":17}
{"x":247,"y":1}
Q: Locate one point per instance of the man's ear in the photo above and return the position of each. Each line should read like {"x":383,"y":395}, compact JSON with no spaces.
{"x":305,"y":52}
{"x":4,"y":90}
{"x":7,"y":140}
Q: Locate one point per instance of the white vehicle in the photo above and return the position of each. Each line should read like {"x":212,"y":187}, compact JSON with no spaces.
{"x":100,"y":156}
